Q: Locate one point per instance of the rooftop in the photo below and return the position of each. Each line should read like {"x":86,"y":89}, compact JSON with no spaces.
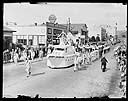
{"x":77,"y":27}
{"x":8,"y":29}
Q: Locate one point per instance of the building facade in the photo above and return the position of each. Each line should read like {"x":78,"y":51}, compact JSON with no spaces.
{"x":7,"y":37}
{"x":30,"y":35}
{"x":37,"y":35}
{"x":103,"y":34}
{"x":53,"y":31}
{"x":80,"y":31}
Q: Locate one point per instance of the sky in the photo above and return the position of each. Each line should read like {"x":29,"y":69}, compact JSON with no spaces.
{"x":93,"y":14}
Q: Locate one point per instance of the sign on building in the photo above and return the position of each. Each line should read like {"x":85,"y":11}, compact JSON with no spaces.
{"x":52,"y":18}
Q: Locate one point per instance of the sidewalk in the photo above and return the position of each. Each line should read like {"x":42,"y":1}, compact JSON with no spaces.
{"x":13,"y":66}
{"x":22,"y":61}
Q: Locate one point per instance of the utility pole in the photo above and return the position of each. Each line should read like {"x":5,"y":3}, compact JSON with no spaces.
{"x":69,"y":24}
{"x":116,"y":31}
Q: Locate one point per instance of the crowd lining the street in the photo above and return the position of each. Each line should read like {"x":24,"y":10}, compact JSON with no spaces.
{"x":120,"y":55}
{"x":17,"y":54}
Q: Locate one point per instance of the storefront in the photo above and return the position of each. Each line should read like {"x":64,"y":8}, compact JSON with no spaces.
{"x":7,"y":37}
{"x":53,"y":31}
{"x":34,"y":35}
{"x":81,"y":30}
{"x":38,"y":35}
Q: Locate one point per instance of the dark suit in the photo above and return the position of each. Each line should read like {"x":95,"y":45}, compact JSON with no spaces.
{"x":103,"y":63}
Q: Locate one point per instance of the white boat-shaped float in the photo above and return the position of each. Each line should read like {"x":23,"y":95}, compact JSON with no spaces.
{"x":63,"y":54}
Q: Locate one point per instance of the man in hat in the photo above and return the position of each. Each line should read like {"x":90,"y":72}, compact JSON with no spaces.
{"x":103,"y":63}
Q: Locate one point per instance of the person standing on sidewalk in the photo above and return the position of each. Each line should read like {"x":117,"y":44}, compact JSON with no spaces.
{"x":103,"y":63}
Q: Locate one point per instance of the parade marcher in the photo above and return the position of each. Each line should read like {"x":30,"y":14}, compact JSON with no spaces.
{"x":76,"y":62}
{"x":28,"y":64}
{"x":89,"y":57}
{"x":49,"y":50}
{"x":41,"y":54}
{"x":102,"y":50}
{"x":32,"y":54}
{"x":80,"y":59}
{"x":24,"y":54}
{"x":103,"y":63}
{"x":19,"y":53}
{"x":12,"y":55}
{"x":84,"y":55}
{"x":15,"y":57}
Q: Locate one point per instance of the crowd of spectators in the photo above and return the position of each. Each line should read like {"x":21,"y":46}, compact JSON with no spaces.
{"x":120,"y":55}
{"x":18,"y":54}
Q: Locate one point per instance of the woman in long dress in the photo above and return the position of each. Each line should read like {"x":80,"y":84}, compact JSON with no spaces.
{"x":24,"y":55}
{"x":32,"y":54}
{"x":15,"y":57}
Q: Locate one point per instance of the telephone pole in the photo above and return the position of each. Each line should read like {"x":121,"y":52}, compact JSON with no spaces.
{"x":69,"y":24}
{"x":116,"y":31}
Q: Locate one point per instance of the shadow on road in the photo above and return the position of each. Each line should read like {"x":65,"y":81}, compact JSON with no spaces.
{"x":62,"y":67}
{"x":38,"y":74}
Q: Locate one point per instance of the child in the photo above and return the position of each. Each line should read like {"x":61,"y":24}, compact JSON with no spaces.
{"x":28,"y":66}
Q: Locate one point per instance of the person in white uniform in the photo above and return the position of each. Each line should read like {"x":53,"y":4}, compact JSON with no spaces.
{"x":28,"y":66}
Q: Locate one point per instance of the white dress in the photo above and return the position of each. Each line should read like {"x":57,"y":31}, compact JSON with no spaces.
{"x":15,"y":57}
{"x":76,"y":61}
{"x":28,"y":66}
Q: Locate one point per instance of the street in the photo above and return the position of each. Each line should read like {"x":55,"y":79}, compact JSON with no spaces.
{"x":89,"y":81}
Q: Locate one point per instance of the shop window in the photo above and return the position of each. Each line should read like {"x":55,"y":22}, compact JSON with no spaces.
{"x":58,"y":41}
{"x":25,"y":42}
{"x":30,"y":42}
{"x":19,"y":40}
{"x":49,"y":31}
{"x":59,"y":32}
{"x":30,"y":36}
{"x":54,"y":37}
{"x":83,"y":33}
{"x":55,"y":31}
{"x":42,"y":39}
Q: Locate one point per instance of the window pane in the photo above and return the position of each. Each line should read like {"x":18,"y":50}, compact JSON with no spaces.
{"x":25,"y":37}
{"x":49,"y":31}
{"x":25,"y":42}
{"x":42,"y":39}
{"x":30,"y":37}
{"x":14,"y":39}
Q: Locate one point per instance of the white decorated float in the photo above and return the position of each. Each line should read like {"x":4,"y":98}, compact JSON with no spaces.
{"x":63,"y":54}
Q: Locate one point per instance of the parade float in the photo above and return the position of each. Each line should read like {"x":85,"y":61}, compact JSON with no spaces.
{"x":63,"y":55}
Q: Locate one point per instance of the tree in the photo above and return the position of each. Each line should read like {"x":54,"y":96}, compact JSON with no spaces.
{"x":93,"y":39}
{"x":97,"y":38}
{"x":90,"y":39}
